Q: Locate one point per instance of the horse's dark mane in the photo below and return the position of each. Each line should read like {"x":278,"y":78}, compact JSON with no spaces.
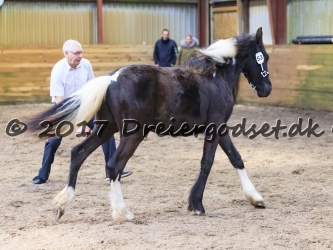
{"x":206,"y":65}
{"x":200,"y":64}
{"x":245,"y":44}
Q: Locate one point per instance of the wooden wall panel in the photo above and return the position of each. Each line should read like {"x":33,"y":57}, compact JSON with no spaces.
{"x":301,"y":75}
{"x":225,"y":22}
{"x":46,"y":23}
{"x":25,"y":72}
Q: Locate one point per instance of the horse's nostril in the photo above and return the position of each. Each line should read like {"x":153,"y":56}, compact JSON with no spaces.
{"x":264,"y":91}
{"x":268,"y":89}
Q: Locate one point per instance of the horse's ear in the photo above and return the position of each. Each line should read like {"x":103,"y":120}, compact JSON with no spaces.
{"x":259,"y":36}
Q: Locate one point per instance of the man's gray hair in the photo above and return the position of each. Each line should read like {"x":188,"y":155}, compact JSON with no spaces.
{"x":70,"y":44}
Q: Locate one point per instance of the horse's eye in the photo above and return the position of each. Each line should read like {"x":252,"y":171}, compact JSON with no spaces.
{"x":267,"y":57}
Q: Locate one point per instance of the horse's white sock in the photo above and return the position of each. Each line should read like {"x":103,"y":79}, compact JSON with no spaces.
{"x":249,"y":190}
{"x":119,"y":209}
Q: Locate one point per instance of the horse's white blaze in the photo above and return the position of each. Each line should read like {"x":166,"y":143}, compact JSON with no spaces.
{"x":249,"y":190}
{"x":119,"y":209}
{"x":64,"y":198}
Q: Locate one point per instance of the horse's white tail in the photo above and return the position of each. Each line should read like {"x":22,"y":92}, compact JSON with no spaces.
{"x":80,"y":106}
{"x":89,"y":98}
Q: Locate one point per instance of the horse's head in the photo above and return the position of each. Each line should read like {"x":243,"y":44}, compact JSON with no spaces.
{"x":255,"y":65}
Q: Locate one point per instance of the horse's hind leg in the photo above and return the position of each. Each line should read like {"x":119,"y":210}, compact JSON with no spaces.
{"x":116,"y":165}
{"x":249,"y":190}
{"x":195,"y":199}
{"x":78,"y":155}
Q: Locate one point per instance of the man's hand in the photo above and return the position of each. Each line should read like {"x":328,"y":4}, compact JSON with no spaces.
{"x":80,"y":132}
{"x":58,"y":99}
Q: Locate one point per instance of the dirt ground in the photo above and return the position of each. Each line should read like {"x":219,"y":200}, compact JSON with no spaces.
{"x":293,"y":174}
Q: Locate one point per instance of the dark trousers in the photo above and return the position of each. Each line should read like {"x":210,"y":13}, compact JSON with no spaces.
{"x":52,"y":144}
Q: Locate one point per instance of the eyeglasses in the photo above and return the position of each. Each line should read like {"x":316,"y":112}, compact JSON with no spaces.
{"x":76,"y":53}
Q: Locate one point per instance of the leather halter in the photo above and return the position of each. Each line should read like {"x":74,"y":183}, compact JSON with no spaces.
{"x":260,"y":60}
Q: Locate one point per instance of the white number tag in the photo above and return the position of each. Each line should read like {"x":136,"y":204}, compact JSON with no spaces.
{"x":260,"y":58}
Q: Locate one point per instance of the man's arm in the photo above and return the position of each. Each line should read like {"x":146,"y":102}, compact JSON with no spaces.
{"x":57,"y":88}
{"x":90,"y":72}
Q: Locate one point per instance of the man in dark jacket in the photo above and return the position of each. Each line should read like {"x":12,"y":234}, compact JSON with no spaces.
{"x":165,"y":51}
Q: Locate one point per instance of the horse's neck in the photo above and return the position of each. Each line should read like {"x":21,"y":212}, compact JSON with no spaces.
{"x":230,"y":74}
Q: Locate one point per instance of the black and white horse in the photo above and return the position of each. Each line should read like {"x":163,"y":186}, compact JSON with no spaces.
{"x":199,"y":94}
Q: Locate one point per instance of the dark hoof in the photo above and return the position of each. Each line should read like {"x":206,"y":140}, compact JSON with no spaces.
{"x":58,"y":212}
{"x":260,"y":205}
{"x":196,"y":210}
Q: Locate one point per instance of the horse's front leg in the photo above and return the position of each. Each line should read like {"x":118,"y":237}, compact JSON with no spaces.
{"x":249,"y":190}
{"x":78,"y":155}
{"x":195,"y":199}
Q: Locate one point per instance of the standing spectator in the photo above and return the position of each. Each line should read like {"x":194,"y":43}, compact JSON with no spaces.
{"x":165,"y":51}
{"x":188,"y":46}
{"x":69,"y":75}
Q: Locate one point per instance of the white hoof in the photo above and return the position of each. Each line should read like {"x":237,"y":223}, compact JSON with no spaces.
{"x":62,"y":201}
{"x":256,"y":200}
{"x":122,"y":215}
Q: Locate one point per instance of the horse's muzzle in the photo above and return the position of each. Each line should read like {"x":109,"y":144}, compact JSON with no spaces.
{"x":265,"y":91}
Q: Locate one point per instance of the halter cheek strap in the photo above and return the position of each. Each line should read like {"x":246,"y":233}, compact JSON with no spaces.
{"x":260,"y":60}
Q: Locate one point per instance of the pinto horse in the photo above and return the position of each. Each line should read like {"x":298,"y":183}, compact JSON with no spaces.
{"x":201,"y":91}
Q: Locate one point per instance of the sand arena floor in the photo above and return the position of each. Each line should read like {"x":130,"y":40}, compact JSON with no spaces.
{"x":293,"y":174}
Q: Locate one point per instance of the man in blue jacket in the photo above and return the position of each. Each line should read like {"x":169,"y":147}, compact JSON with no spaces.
{"x":165,"y":51}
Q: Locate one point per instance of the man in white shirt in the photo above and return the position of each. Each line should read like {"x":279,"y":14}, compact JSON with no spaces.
{"x":69,"y":75}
